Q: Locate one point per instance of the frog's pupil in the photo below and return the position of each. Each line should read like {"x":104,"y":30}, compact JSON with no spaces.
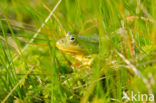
{"x":72,"y":38}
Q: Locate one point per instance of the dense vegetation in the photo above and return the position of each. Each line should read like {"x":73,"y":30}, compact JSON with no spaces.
{"x":33,"y":70}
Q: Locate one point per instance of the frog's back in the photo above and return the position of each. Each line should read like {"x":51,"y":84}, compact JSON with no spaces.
{"x":90,"y":39}
{"x":90,"y":43}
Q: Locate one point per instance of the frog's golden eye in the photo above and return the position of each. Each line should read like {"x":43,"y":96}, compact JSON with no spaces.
{"x":72,"y":38}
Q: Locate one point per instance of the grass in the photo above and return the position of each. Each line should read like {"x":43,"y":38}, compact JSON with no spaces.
{"x":33,"y":70}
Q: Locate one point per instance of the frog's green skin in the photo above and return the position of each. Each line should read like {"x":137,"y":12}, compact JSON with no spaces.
{"x":83,"y":48}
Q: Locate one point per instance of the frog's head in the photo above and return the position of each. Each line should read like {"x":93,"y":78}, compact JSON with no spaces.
{"x":70,"y":44}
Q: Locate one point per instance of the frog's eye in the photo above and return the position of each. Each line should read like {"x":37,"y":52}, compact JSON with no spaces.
{"x":72,"y":38}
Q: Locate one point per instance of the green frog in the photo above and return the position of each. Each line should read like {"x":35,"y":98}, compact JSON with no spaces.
{"x":83,"y":48}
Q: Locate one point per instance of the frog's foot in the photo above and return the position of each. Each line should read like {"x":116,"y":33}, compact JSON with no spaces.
{"x":77,"y":64}
{"x":84,"y":67}
{"x":80,"y":66}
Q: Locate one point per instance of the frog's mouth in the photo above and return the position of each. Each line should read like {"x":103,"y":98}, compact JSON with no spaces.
{"x":72,"y":50}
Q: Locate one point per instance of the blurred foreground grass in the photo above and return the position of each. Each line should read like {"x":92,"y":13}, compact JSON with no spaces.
{"x":42,"y":73}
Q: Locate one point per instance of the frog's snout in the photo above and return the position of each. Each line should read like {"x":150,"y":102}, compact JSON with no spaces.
{"x":59,"y":43}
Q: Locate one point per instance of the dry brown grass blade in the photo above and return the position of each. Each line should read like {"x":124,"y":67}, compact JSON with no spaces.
{"x":11,"y":43}
{"x":69,"y":63}
{"x":90,"y":28}
{"x":136,"y":72}
{"x":55,"y":17}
